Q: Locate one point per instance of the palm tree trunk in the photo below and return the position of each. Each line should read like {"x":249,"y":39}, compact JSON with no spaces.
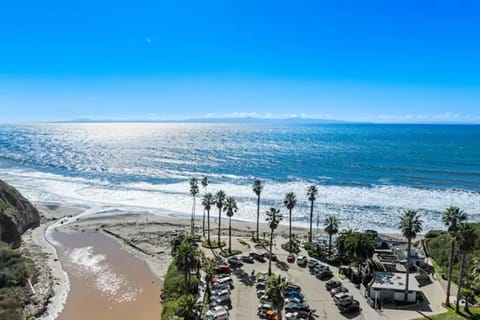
{"x":450,"y":269}
{"x":408,"y":269}
{"x":290,"y":232}
{"x":193,"y":217}
{"x":186,"y":284}
{"x":270,"y":257}
{"x":208,"y":225}
{"x":311,"y":220}
{"x":203,"y":227}
{"x":329,"y":245}
{"x":460,"y":282}
{"x":467,"y":308}
{"x":258,"y":217}
{"x":230,"y":235}
{"x":219,"y":224}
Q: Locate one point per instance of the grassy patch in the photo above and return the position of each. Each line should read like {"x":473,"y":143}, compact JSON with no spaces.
{"x":451,"y":315}
{"x":213,"y":244}
{"x":226,"y":254}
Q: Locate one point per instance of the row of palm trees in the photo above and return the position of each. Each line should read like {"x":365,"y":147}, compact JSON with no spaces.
{"x":463,"y":239}
{"x":229,"y":206}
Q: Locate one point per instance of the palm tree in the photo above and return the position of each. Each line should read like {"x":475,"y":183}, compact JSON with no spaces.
{"x":312,"y":192}
{"x":290,"y":201}
{"x":257,"y":188}
{"x":359,"y":247}
{"x":452,"y":218}
{"x":193,"y":192}
{"x":275,"y":292}
{"x":466,"y":239}
{"x":185,"y":260}
{"x":207,"y":203}
{"x":230,"y":208}
{"x":204,"y":186}
{"x":187,"y":307}
{"x":342,"y":239}
{"x":209,"y":269}
{"x":273,"y":219}
{"x":219,"y":200}
{"x":410,"y":224}
{"x":331,"y":227}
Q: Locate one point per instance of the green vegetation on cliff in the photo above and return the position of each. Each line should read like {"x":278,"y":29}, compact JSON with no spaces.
{"x":438,"y":245}
{"x":15,"y":271}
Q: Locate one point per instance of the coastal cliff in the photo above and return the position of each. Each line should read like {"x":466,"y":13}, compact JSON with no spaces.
{"x":17,"y":214}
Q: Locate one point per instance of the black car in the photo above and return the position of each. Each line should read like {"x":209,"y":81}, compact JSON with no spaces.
{"x":235,"y":262}
{"x":351,"y":308}
{"x":324,"y":275}
{"x":267,"y":255}
{"x":257,"y":256}
{"x":293,"y":287}
{"x":247,"y":259}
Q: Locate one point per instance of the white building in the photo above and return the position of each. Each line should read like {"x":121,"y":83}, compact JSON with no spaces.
{"x":391,"y":286}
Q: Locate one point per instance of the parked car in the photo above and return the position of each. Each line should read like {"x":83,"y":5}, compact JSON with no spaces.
{"x":292,"y":286}
{"x":350,"y":308}
{"x":235,"y":262}
{"x":267,"y":255}
{"x":217,"y":315}
{"x":343,"y":298}
{"x":312,"y":263}
{"x":324,"y":275}
{"x":294,"y":294}
{"x":247,"y":259}
{"x":226,"y":302}
{"x":223,"y":269}
{"x":282,"y":265}
{"x":337,"y":290}
{"x":261,"y":285}
{"x":332,"y":283}
{"x":260,"y":293}
{"x":265,"y":299}
{"x":257,"y":256}
{"x":302,"y":261}
{"x":292,"y":307}
{"x":293,"y":299}
{"x":291,"y":258}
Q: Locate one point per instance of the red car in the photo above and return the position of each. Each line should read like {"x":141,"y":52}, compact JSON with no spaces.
{"x":291,"y":258}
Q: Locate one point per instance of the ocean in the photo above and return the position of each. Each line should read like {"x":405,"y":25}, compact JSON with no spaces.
{"x":367,"y":174}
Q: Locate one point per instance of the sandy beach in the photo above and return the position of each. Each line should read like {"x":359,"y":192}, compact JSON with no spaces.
{"x":102,"y":239}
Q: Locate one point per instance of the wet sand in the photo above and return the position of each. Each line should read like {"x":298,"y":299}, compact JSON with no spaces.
{"x":106,"y":281}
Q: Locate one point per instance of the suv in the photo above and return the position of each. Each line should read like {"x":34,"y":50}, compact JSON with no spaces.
{"x":343,"y":298}
{"x":332,"y":283}
{"x":302,"y":261}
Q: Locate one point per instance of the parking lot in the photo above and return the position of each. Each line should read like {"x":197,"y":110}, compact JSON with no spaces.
{"x":244,"y":295}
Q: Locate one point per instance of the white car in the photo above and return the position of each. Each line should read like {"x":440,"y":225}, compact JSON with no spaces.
{"x":342,"y":298}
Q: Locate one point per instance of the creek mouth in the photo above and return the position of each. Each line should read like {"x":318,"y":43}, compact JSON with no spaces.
{"x":106,"y":282}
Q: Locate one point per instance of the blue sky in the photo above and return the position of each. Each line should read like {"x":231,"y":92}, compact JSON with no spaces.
{"x":387,"y":61}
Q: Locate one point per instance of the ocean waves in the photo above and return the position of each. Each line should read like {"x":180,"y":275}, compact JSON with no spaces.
{"x":358,"y":207}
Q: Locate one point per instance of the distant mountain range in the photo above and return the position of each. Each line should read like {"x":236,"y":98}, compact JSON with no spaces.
{"x":209,"y":120}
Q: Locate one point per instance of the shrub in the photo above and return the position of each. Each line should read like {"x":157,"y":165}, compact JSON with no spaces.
{"x":294,"y":249}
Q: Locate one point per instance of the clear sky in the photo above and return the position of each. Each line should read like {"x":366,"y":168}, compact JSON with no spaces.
{"x":390,"y":61}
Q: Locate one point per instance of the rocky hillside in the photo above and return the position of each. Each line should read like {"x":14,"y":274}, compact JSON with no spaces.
{"x":17,"y":214}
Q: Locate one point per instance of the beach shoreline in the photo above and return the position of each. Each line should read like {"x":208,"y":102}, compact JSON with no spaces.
{"x":134,"y":231}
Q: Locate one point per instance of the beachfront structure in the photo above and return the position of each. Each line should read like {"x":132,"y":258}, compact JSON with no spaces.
{"x":387,"y":286}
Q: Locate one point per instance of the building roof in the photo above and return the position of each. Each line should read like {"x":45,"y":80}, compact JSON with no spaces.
{"x":393,"y":281}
